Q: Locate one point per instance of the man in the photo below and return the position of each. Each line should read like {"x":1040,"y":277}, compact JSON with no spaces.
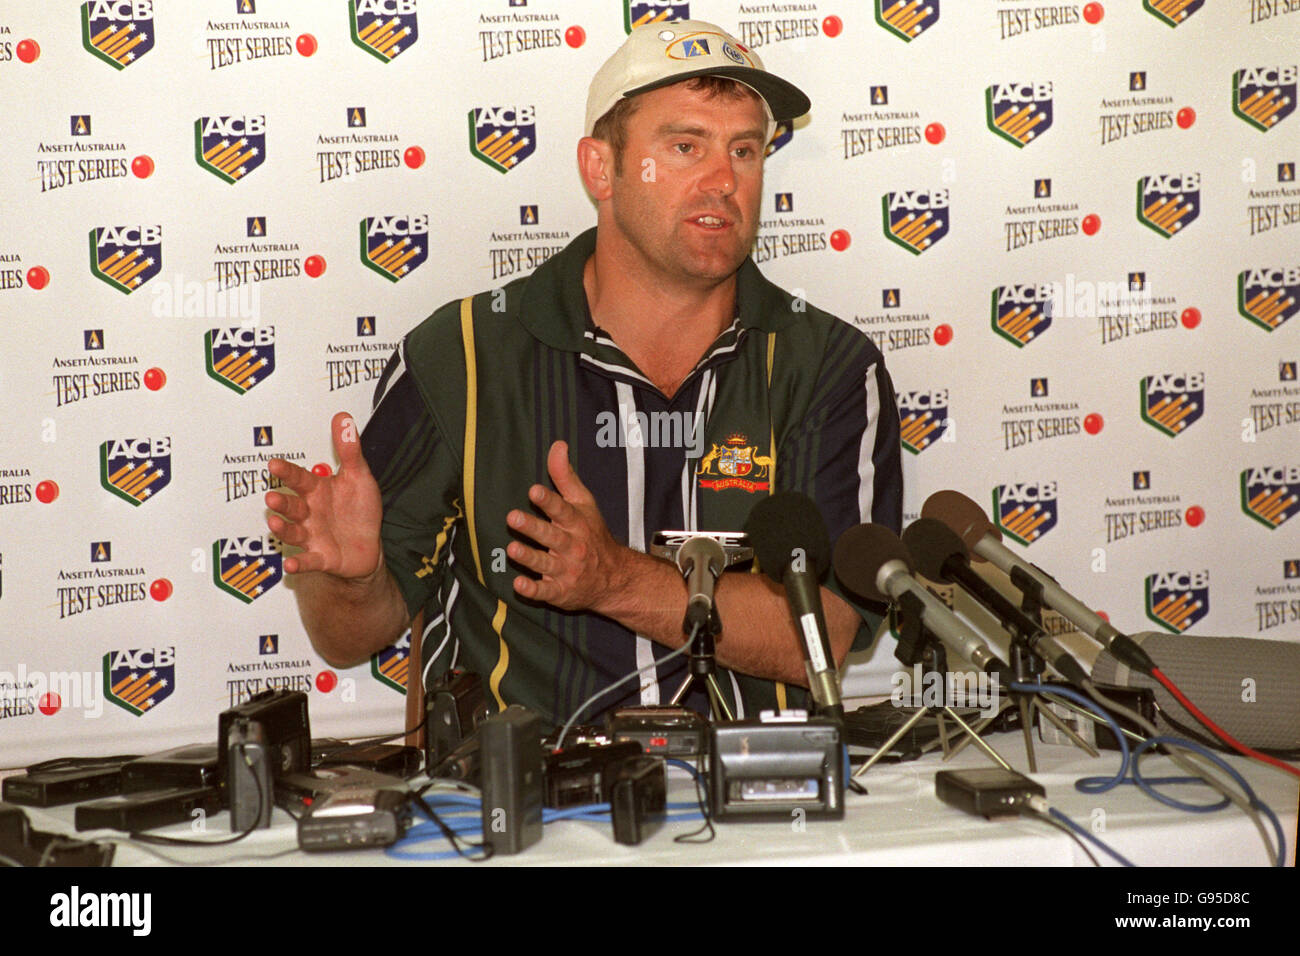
{"x":658,"y":380}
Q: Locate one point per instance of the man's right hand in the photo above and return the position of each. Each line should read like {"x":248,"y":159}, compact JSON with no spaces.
{"x":334,"y":519}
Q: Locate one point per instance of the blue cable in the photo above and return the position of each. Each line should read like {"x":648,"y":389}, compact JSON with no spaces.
{"x":1249,"y":792}
{"x":1084,"y":832}
{"x":1088,"y":784}
{"x":1134,"y":776}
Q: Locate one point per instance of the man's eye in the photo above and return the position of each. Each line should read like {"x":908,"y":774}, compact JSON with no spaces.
{"x":683,"y":147}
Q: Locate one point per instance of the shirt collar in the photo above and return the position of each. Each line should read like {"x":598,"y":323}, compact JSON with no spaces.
{"x":553,"y":304}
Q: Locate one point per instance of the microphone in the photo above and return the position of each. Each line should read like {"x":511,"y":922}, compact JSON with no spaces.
{"x":701,"y":557}
{"x":969,"y":521}
{"x":793,"y":548}
{"x":1246,"y":684}
{"x":871,"y":561}
{"x":941,"y":555}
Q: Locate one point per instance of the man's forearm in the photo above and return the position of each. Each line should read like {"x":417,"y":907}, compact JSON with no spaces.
{"x":758,"y":633}
{"x":348,"y":620}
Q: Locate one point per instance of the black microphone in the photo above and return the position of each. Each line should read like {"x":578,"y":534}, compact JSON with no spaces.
{"x":793,"y":548}
{"x":969,"y":521}
{"x":870,"y":560}
{"x":941,"y":555}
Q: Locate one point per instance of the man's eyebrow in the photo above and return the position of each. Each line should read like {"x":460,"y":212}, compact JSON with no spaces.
{"x":685,"y":129}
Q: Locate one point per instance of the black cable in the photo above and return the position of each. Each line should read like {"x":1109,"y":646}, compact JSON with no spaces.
{"x":156,"y":840}
{"x":450,"y":835}
{"x":1029,"y":811}
{"x":702,"y":798}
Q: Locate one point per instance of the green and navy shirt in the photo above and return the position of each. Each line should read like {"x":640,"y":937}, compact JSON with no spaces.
{"x":787,"y":398}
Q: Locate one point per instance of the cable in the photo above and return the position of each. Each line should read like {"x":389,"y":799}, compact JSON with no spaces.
{"x":1053,"y":822}
{"x":1187,"y":761}
{"x":1040,"y":805}
{"x":559,"y":741}
{"x":1216,"y":729}
{"x":1103,"y":784}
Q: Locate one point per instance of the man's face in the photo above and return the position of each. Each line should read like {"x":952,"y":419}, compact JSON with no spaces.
{"x":687,"y":199}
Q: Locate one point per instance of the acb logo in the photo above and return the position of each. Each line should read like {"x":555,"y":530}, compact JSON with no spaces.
{"x":1178,"y":599}
{"x":1025,"y":511}
{"x":1172,"y":403}
{"x":384,"y":28}
{"x":1271,"y":494}
{"x":923,"y":418}
{"x":1019,"y":112}
{"x":119,"y":32}
{"x":1168,"y":203}
{"x":394,"y":246}
{"x":126,"y":257}
{"x":391,"y":666}
{"x":135,"y":469}
{"x":247,"y":567}
{"x":640,"y":12}
{"x":140,"y":678}
{"x":907,"y":19}
{"x":1264,"y":96}
{"x":1172,"y":12}
{"x":502,"y":136}
{"x":1268,"y":296}
{"x":1022,"y":313}
{"x":782,"y":135}
{"x":230,"y":147}
{"x":914,"y":218}
{"x":240,"y":358}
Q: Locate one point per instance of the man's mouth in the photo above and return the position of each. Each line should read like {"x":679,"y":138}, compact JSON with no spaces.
{"x":710,"y":222}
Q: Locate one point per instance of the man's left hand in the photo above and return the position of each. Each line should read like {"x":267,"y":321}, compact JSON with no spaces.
{"x":580,"y":563}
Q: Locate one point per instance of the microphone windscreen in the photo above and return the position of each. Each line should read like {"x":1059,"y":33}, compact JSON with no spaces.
{"x":930,"y":542}
{"x":1246,"y":685}
{"x":962,"y":515}
{"x":860,"y":554}
{"x":784,"y":526}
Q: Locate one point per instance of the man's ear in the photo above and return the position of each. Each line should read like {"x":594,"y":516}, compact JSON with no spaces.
{"x":596,"y":166}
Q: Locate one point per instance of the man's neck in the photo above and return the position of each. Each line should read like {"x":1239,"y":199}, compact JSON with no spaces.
{"x":665,"y":328}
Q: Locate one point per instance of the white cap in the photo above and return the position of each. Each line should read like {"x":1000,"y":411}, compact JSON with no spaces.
{"x":659,"y":54}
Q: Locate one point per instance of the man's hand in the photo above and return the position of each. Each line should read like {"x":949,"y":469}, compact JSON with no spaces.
{"x":334,"y":519}
{"x":580,"y":562}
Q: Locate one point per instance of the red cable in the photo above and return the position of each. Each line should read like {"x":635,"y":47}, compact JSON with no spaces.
{"x":1216,"y":729}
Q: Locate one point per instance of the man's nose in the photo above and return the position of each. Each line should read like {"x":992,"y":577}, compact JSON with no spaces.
{"x":720,"y":176}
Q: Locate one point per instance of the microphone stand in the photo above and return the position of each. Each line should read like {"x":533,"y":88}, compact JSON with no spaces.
{"x":1028,"y":666}
{"x":702,"y":668}
{"x":917,"y":644}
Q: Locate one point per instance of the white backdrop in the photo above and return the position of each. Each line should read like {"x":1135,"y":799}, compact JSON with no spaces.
{"x":188,"y":187}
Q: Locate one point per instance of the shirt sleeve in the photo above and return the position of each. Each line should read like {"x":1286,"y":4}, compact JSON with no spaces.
{"x":419,"y":482}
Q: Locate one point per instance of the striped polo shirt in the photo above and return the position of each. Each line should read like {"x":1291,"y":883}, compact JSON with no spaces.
{"x":786,"y":398}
